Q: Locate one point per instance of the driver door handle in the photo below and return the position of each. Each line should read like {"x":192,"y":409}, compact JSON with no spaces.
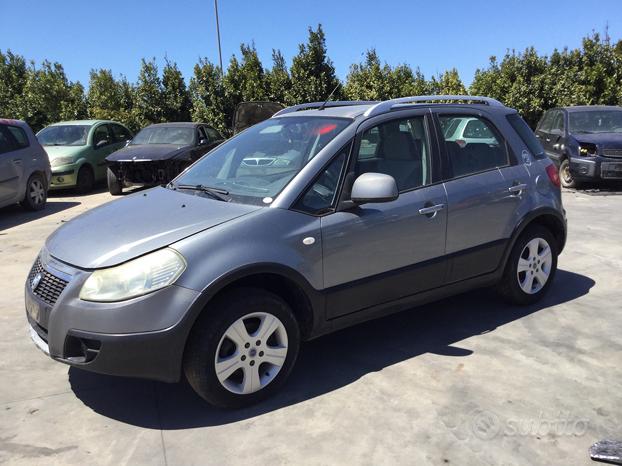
{"x":431,"y":210}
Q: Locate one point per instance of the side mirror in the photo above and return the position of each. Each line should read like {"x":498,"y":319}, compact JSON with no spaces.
{"x":101,"y":143}
{"x":374,"y":187}
{"x":202,"y":142}
{"x":127,"y":143}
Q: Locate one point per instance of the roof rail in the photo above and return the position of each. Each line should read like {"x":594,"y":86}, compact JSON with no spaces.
{"x":316,"y":105}
{"x":387,"y":105}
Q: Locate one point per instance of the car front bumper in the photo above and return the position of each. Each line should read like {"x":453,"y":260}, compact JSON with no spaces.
{"x":596,"y":168}
{"x":141,"y":337}
{"x":64,"y":176}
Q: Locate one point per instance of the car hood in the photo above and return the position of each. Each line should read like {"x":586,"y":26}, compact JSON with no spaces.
{"x":63,"y":151}
{"x":147,"y":152}
{"x":137,"y":224}
{"x":613,"y":140}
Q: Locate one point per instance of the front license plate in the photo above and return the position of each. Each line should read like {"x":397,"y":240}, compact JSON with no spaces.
{"x":611,"y":170}
{"x":37,"y":311}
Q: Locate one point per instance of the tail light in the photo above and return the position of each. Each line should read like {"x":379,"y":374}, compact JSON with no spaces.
{"x":551,"y":170}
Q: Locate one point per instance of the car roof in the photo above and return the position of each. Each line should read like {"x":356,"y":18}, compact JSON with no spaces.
{"x":83,"y":122}
{"x":587,"y":108}
{"x":177,"y":124}
{"x":10,"y":121}
{"x":354,"y":109}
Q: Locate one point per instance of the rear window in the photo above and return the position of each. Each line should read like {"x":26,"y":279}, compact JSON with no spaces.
{"x":525,"y":133}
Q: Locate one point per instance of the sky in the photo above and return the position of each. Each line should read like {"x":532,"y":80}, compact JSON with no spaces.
{"x":434,"y":36}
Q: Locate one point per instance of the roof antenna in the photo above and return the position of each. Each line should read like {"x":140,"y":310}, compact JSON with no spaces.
{"x":329,"y":96}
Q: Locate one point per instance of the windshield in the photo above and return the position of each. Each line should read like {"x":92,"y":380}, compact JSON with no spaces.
{"x":256,"y":165}
{"x":601,"y":121}
{"x":177,"y":135}
{"x":63,"y":135}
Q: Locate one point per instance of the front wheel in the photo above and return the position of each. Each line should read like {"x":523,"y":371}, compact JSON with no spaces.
{"x":531,"y":267}
{"x":86,"y":179}
{"x":566,"y":178}
{"x":114,"y":185}
{"x":242,"y":349}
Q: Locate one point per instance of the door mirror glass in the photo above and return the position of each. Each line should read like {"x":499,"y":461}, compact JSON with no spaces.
{"x":374,"y":187}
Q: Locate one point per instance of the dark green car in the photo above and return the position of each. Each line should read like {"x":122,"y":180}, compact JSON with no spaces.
{"x":78,"y":149}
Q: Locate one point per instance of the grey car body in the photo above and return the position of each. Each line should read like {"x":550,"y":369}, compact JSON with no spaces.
{"x":357,"y":259}
{"x":584,"y":141}
{"x":24,"y":166}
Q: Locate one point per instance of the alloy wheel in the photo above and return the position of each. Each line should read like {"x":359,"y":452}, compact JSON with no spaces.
{"x":36,"y":192}
{"x":251,"y":353}
{"x":534,"y":265}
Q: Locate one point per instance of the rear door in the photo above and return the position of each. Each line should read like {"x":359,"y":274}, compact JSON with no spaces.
{"x":12,"y":160}
{"x":479,"y":199}
{"x":378,"y":253}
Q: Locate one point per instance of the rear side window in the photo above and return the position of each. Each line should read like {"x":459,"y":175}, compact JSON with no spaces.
{"x":525,"y":133}
{"x":7,"y":142}
{"x":20,"y":136}
{"x":476,"y":146}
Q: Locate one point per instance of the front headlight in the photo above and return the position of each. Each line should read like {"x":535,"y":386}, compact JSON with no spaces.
{"x":134,"y":278}
{"x":58,"y":161}
{"x":587,"y":150}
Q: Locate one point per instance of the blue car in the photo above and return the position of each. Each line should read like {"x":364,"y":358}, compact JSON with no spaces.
{"x":585,"y":142}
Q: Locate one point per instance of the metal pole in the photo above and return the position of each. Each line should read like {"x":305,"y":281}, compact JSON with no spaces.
{"x":218,"y":32}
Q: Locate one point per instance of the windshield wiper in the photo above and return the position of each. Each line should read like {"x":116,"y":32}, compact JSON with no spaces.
{"x":215,"y":193}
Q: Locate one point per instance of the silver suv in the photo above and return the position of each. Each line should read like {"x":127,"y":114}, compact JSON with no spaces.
{"x":24,"y":166}
{"x":325,"y":215}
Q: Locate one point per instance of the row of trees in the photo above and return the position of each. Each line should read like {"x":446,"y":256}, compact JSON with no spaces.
{"x":526,"y":80}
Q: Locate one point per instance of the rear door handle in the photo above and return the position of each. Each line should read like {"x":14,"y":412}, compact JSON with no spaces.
{"x":431,"y":210}
{"x":517,"y":188}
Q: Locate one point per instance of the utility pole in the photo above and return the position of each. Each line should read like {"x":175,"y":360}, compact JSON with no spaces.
{"x":218,"y":32}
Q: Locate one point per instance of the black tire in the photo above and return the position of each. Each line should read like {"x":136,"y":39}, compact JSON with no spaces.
{"x":86,"y":179}
{"x":36,"y":194}
{"x":509,"y":287}
{"x":114,"y":185}
{"x":210,"y":328}
{"x":566,"y":178}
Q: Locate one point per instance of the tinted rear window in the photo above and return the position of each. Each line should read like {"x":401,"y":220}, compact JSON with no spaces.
{"x":525,"y":133}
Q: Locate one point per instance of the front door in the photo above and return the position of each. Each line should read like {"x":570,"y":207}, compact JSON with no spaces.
{"x":380,"y":252}
{"x":11,"y":165}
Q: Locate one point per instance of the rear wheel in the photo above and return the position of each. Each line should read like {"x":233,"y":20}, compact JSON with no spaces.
{"x":242,"y":349}
{"x":114,"y":185}
{"x":565,"y":176}
{"x":531,"y":267}
{"x":36,"y":193}
{"x":86,"y":179}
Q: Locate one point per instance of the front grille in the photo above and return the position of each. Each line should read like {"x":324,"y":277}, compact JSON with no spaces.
{"x":50,"y":286}
{"x":611,"y":170}
{"x":612,"y":152}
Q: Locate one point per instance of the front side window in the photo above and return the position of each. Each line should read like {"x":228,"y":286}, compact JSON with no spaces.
{"x":477,"y":148}
{"x":320,"y":198}
{"x":120,"y":133}
{"x":63,"y":135}
{"x":177,"y":135}
{"x":558,"y":123}
{"x":254,"y":166}
{"x":546,"y":122}
{"x":398,"y":148}
{"x":213,"y":134}
{"x":596,"y":121}
{"x":101,"y":134}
